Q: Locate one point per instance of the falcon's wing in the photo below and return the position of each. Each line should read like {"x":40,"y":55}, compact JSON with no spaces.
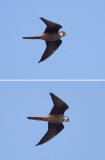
{"x":59,"y":106}
{"x":51,"y":26}
{"x":53,"y":130}
{"x":50,"y":49}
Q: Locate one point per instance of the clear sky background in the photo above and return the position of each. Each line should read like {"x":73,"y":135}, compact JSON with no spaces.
{"x":82,"y":53}
{"x":82,"y":138}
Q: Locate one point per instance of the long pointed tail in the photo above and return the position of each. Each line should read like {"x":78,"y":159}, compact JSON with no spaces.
{"x":33,"y":37}
{"x":36,"y":118}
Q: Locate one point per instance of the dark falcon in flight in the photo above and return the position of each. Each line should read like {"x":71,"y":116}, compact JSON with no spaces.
{"x":51,"y":36}
{"x":54,"y":119}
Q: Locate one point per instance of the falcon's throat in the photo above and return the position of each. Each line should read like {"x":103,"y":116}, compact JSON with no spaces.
{"x":62,"y":34}
{"x":66,"y":119}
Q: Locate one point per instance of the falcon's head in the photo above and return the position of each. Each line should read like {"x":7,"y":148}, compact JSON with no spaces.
{"x":66,"y":119}
{"x":62,"y":34}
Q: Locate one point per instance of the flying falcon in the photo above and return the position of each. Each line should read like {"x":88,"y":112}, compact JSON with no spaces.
{"x":51,"y":36}
{"x":54,"y":119}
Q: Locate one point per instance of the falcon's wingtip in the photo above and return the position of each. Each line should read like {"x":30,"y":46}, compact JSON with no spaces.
{"x":51,"y":93}
{"x":38,"y":144}
{"x":41,"y":18}
{"x":40,"y":61}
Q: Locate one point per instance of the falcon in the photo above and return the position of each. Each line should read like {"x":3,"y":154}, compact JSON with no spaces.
{"x":51,"y":36}
{"x":54,"y":119}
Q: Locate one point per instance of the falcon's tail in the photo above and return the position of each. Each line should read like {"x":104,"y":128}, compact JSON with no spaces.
{"x":36,"y":118}
{"x":33,"y":37}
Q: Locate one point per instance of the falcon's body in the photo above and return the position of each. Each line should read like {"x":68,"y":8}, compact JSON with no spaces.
{"x":54,"y":119}
{"x":48,"y":36}
{"x":51,"y":118}
{"x":51,"y":36}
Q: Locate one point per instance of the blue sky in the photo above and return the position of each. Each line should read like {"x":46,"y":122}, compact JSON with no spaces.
{"x":81,"y":56}
{"x":82,"y":53}
{"x":82,"y":138}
